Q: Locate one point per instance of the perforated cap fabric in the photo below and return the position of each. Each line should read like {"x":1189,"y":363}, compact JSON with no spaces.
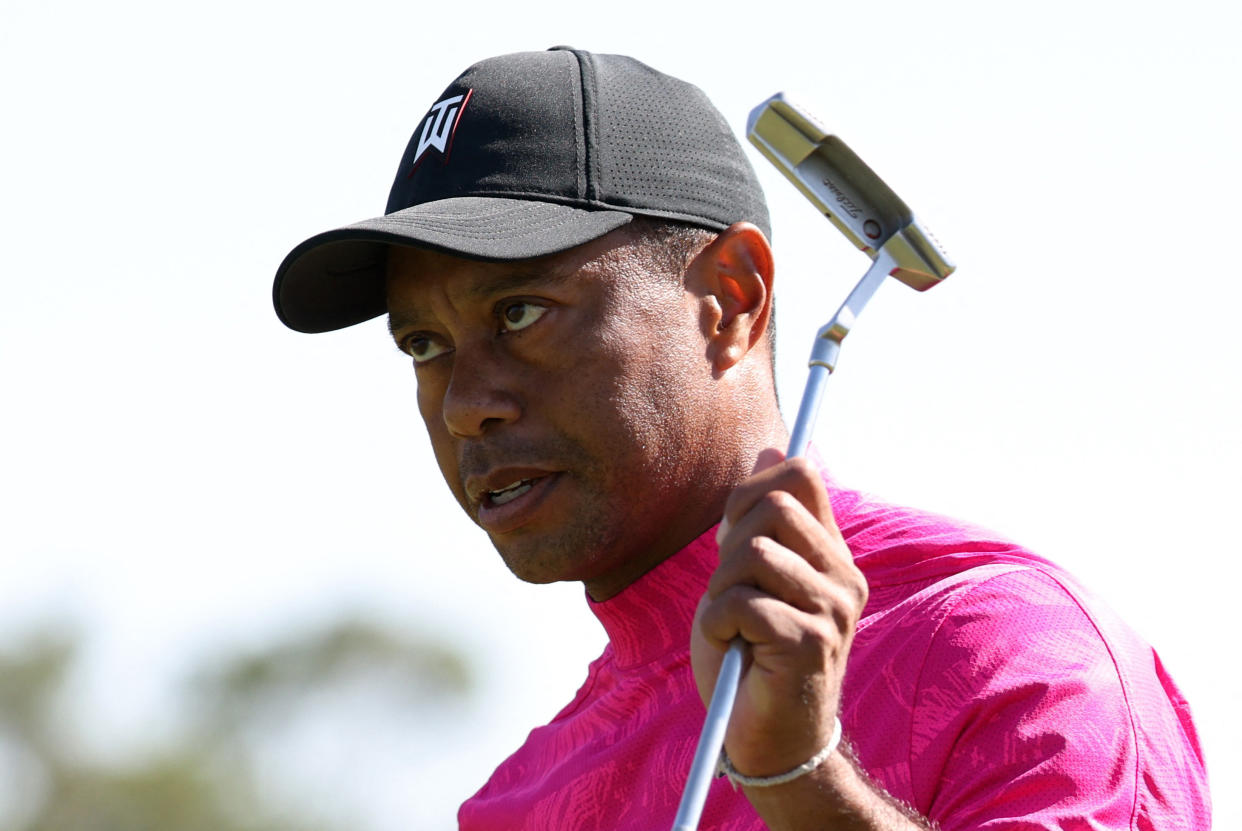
{"x":526,"y":155}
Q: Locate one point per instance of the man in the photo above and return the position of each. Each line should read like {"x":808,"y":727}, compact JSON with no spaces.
{"x":575,"y":258}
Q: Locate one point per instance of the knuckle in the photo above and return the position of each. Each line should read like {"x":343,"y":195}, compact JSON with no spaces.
{"x":840,"y":605}
{"x":861,"y":592}
{"x":844,"y":621}
{"x":803,"y":468}
{"x":761,"y":551}
{"x":771,"y":501}
{"x":780,"y":503}
{"x":847,"y":611}
{"x":822,"y":604}
{"x":822,"y":637}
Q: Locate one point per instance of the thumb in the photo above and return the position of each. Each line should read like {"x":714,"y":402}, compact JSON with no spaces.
{"x":768,"y":457}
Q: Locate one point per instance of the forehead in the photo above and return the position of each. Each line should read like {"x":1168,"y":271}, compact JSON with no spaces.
{"x":417,"y":275}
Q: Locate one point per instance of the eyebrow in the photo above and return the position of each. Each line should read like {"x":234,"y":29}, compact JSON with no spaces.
{"x":520,"y":275}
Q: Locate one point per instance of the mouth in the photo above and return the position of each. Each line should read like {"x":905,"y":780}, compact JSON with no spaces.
{"x":506,"y":495}
{"x":506,"y":500}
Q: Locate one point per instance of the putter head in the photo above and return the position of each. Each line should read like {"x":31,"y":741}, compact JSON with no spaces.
{"x":846,"y":190}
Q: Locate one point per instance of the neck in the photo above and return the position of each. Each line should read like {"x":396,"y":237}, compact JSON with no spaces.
{"x":653,"y":618}
{"x":700,"y":503}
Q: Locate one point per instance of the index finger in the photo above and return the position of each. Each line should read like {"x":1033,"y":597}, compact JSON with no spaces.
{"x":799,"y":477}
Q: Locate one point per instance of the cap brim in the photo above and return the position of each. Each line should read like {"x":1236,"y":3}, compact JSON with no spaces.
{"x":336,"y":279}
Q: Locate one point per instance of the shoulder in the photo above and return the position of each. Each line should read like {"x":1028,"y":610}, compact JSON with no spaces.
{"x":1010,"y":693}
{"x":1034,"y":697}
{"x":896,"y":544}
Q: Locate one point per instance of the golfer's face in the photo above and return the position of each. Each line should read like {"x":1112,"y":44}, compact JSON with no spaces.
{"x":560,"y":398}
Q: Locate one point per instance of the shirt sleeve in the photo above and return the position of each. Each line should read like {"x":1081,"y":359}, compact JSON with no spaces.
{"x":1034,"y":712}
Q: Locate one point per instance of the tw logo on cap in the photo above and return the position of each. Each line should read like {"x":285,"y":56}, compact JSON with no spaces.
{"x":439,"y":128}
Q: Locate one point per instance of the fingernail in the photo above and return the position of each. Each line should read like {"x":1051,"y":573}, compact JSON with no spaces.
{"x":722,"y":530}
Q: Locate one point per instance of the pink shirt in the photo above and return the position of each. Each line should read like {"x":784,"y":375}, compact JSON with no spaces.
{"x":984,"y":688}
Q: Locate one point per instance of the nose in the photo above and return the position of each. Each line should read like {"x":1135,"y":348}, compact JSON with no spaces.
{"x":481,"y":393}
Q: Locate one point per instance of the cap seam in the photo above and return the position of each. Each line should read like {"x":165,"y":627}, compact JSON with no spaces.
{"x":590,"y":110}
{"x":581,"y":174}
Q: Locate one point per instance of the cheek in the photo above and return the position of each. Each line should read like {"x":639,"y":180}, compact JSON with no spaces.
{"x":653,"y":375}
{"x":429,"y":400}
{"x":429,"y":407}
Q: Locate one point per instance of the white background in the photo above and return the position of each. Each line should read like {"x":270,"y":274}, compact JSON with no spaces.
{"x":178,"y":473}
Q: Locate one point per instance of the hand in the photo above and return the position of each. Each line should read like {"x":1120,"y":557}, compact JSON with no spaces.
{"x":788,"y":586}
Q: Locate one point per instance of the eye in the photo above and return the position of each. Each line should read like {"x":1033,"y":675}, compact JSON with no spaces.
{"x":515,"y":316}
{"x":423,"y":348}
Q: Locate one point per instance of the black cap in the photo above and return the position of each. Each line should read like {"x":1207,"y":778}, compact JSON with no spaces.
{"x":526,"y":155}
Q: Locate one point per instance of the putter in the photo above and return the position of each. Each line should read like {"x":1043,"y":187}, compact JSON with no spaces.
{"x":872,"y":217}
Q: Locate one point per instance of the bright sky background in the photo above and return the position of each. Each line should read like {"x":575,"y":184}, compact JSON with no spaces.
{"x":179,"y":473}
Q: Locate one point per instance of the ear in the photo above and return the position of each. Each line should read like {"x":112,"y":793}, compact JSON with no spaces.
{"x":733,"y":278}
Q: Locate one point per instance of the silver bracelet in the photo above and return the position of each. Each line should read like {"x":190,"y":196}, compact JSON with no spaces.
{"x":725,"y":768}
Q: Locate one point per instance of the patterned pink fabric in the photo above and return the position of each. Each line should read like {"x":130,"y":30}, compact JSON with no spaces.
{"x":984,"y":688}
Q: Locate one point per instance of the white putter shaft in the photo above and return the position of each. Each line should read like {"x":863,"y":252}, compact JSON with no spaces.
{"x":872,"y":216}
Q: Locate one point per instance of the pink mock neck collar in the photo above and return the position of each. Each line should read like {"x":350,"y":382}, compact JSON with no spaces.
{"x":652,"y":616}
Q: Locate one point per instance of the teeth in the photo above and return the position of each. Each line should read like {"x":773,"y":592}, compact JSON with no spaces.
{"x":510,"y":493}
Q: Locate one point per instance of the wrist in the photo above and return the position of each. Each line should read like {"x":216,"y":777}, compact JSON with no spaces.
{"x":837,"y":794}
{"x":725,"y":768}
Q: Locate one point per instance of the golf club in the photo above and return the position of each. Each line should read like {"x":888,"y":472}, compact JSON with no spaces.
{"x":872,"y":217}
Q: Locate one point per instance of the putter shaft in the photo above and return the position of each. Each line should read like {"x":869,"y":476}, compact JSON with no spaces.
{"x":872,"y":217}
{"x":822,"y":363}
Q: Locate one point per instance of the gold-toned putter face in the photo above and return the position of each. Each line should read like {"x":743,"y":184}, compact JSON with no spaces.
{"x":846,"y":190}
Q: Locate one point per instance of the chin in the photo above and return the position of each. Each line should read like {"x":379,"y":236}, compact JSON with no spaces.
{"x":530,"y":566}
{"x":536,"y":575}
{"x":545,"y":561}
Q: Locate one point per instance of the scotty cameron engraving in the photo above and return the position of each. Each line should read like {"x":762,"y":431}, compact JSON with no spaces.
{"x":844,"y":201}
